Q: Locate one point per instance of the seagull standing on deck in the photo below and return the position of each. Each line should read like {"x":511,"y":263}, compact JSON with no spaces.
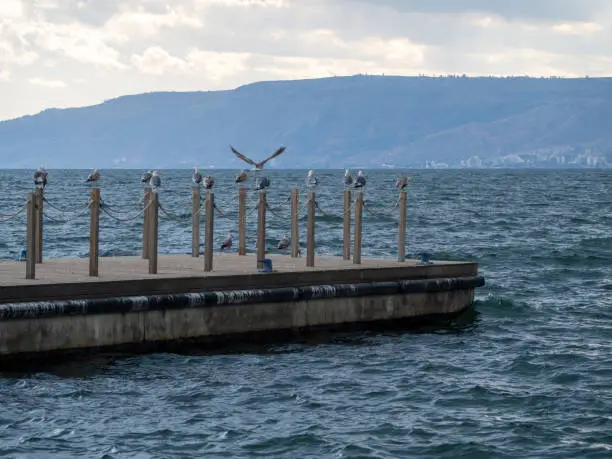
{"x":196,"y":178}
{"x":40,"y":177}
{"x":94,"y":176}
{"x":311,"y":179}
{"x":402,"y":182}
{"x":242,"y":177}
{"x":146,"y":177}
{"x":227,"y":242}
{"x":283,"y":244}
{"x":155,"y":181}
{"x":348,"y":178}
{"x":361,"y":180}
{"x":209,"y":182}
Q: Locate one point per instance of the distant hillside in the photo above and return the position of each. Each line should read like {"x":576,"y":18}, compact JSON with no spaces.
{"x":359,"y":121}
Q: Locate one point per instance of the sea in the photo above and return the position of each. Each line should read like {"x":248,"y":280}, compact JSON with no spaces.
{"x":526,"y":372}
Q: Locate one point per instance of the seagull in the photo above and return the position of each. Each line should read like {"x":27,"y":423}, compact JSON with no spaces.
{"x":257,"y":165}
{"x":402,"y":182}
{"x":209,"y":182}
{"x":348,"y":178}
{"x":155,"y":180}
{"x":40,"y":177}
{"x":361,"y":181}
{"x":311,"y":179}
{"x":242,"y":177}
{"x":262,"y":183}
{"x":94,"y":176}
{"x":196,"y":178}
{"x":283,"y":244}
{"x":146,"y":177}
{"x":227,"y":242}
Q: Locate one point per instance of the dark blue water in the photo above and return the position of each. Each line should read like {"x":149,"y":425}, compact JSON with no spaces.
{"x":526,"y":373}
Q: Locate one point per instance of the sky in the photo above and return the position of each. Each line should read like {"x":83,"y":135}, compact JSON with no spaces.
{"x":65,"y":53}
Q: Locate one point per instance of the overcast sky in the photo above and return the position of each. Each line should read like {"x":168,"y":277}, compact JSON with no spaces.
{"x":58,"y":53}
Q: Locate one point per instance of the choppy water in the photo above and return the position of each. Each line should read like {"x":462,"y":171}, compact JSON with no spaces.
{"x":526,"y":373}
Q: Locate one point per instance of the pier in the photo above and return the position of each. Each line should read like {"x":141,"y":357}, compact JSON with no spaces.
{"x":56,"y":306}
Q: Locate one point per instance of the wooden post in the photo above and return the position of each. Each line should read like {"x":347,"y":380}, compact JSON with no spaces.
{"x":358,"y":225}
{"x":401,"y":231}
{"x":310,"y":230}
{"x":94,"y":232}
{"x":146,"y":223}
{"x":39,"y":224}
{"x":295,"y":226}
{"x":346,"y":254}
{"x":209,"y":231}
{"x":31,"y":237}
{"x":152,"y":234}
{"x":195,"y":222}
{"x":242,"y":250}
{"x":261,"y":229}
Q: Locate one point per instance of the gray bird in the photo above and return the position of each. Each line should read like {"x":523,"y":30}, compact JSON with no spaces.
{"x":146,"y":177}
{"x":402,"y":182}
{"x":196,"y":178}
{"x":262,"y":183}
{"x":360,"y":181}
{"x":209,"y":182}
{"x":283,"y":244}
{"x":348,"y":178}
{"x":94,"y":176}
{"x":40,"y":177}
{"x":155,"y":180}
{"x":242,"y":177}
{"x":311,"y":179}
{"x":227,"y":242}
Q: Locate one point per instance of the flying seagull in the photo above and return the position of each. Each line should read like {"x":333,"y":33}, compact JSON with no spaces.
{"x":209,"y":182}
{"x":402,"y":182}
{"x":196,"y":178}
{"x":242,"y":177}
{"x":146,"y":177}
{"x":311,"y":179}
{"x":94,"y":176}
{"x":360,"y":181}
{"x":155,"y":180}
{"x":348,"y":178}
{"x":257,"y":165}
{"x":227,"y":242}
{"x":40,"y":177}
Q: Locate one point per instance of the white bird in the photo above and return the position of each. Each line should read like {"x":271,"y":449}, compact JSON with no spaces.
{"x":360,"y":181}
{"x":227,"y":242}
{"x":146,"y":177}
{"x":155,"y":180}
{"x":402,"y":182}
{"x":196,"y":178}
{"x":262,"y":183}
{"x":348,"y":178}
{"x":94,"y":176}
{"x":40,"y":177}
{"x":283,"y":244}
{"x":242,"y":177}
{"x":209,"y":182}
{"x":311,"y":179}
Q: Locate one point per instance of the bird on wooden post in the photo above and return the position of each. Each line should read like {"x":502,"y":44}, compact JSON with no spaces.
{"x":196,"y":178}
{"x":155,"y":180}
{"x":242,"y":177}
{"x":40,"y":177}
{"x":262,"y":183}
{"x":209,"y":182}
{"x":146,"y":177}
{"x":402,"y":182}
{"x":311,"y":179}
{"x":93,"y":177}
{"x":348,"y":178}
{"x":361,"y":180}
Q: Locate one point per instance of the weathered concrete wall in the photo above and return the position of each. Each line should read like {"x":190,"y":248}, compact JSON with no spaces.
{"x":78,"y":328}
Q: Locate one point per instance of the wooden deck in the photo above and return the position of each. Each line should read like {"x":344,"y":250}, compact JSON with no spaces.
{"x":127,"y":276}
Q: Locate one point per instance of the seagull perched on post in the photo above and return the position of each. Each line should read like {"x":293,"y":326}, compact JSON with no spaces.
{"x":40,"y":177}
{"x":361,"y":180}
{"x":348,"y":178}
{"x":402,"y":182}
{"x":196,"y":178}
{"x":227,"y":242}
{"x":209,"y":182}
{"x":311,"y":179}
{"x":257,"y":165}
{"x":242,"y":177}
{"x":94,"y":176}
{"x":262,"y":183}
{"x":155,"y":180}
{"x":146,"y":177}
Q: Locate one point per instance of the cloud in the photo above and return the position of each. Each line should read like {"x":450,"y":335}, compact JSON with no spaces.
{"x":52,"y":84}
{"x":156,"y":61}
{"x":5,"y":75}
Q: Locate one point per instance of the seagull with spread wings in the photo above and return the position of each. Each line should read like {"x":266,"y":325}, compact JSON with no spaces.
{"x":257,"y":165}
